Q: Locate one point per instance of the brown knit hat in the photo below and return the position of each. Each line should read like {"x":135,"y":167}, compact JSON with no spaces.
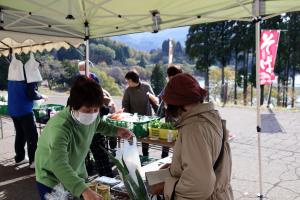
{"x":183,"y":89}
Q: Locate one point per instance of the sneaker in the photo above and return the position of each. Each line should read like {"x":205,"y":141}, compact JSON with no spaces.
{"x":32,"y":166}
{"x":25,"y":160}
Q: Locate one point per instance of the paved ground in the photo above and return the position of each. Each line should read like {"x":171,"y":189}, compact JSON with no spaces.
{"x":280,"y":157}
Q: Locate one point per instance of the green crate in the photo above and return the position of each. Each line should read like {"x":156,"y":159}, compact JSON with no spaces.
{"x":42,"y":113}
{"x":3,"y":110}
{"x":140,"y":129}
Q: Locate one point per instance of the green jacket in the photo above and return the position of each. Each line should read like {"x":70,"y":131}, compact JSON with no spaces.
{"x":62,"y":148}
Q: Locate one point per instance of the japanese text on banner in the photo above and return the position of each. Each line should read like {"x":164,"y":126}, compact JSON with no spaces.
{"x":268,"y":50}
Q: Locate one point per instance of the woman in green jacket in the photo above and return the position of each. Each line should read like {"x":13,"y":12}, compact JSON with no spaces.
{"x":65,"y":141}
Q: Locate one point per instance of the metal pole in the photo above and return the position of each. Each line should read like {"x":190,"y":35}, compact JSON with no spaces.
{"x":87,"y":47}
{"x":87,"y":56}
{"x":258,"y":127}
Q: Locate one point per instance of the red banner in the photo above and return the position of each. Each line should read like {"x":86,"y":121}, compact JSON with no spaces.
{"x":268,"y":50}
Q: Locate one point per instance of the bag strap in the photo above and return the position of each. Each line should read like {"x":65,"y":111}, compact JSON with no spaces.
{"x":223,"y":122}
{"x":217,"y":163}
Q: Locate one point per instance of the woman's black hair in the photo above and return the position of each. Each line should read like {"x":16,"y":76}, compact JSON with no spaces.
{"x":132,"y":75}
{"x":85,"y":92}
{"x":173,"y":70}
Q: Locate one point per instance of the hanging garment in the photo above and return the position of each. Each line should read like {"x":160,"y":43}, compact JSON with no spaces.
{"x":15,"y":70}
{"x":32,"y":70}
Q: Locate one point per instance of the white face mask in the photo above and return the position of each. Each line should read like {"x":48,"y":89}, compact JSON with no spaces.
{"x":85,"y":118}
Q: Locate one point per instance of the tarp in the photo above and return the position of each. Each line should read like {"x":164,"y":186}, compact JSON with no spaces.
{"x":117,"y":17}
{"x":24,"y":42}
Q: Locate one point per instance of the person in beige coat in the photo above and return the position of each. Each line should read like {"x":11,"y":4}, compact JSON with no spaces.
{"x":201,"y":163}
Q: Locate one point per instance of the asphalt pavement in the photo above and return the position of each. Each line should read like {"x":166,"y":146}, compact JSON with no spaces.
{"x":280,"y":147}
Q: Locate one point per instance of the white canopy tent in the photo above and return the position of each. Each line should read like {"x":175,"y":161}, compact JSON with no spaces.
{"x":84,"y":19}
{"x":24,"y":42}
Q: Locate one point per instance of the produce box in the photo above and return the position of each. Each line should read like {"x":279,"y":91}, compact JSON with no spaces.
{"x":138,"y":124}
{"x":3,"y":108}
{"x":162,"y":130}
{"x":162,"y":133}
{"x":44,"y":112}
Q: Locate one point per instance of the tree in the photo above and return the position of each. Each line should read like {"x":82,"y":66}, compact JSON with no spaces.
{"x":4,"y":64}
{"x":200,"y":45}
{"x":157,"y":79}
{"x":215,"y":80}
{"x":131,"y":62}
{"x":107,"y":82}
{"x":70,"y":72}
{"x":236,"y":44}
{"x":51,"y":70}
{"x":68,"y":54}
{"x":294,"y":21}
{"x":100,"y":53}
{"x":118,"y":75}
{"x":144,"y":74}
{"x":223,"y":52}
{"x":142,"y":62}
{"x":165,"y":47}
{"x":178,"y":50}
{"x":156,"y":55}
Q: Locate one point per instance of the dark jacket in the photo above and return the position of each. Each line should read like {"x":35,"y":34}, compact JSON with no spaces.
{"x":136,"y":100}
{"x":20,"y":97}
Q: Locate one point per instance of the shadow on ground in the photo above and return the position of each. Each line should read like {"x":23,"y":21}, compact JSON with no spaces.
{"x":17,"y":183}
{"x":270,"y":123}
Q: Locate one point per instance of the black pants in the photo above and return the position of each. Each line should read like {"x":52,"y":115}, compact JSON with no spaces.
{"x":145,"y":149}
{"x":25,"y":133}
{"x":165,"y":152}
{"x":103,"y":166}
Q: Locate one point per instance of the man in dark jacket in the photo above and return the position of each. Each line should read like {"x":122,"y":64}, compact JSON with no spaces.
{"x":136,"y":99}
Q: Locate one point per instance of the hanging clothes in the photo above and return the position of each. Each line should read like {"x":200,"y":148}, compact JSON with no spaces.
{"x":15,"y":70}
{"x":32,"y":70}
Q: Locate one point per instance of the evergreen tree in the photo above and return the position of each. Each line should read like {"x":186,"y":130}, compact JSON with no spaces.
{"x":71,"y":70}
{"x":68,"y":54}
{"x":200,"y":46}
{"x":101,"y":53}
{"x":178,"y":52}
{"x":165,"y":47}
{"x":3,"y":72}
{"x":142,"y":62}
{"x":157,"y":79}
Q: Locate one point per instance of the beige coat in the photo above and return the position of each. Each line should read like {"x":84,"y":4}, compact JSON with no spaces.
{"x":195,"y":152}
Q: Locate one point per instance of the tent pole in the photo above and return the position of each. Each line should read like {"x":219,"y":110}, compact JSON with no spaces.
{"x":87,"y":55}
{"x":258,"y":127}
{"x":87,"y":47}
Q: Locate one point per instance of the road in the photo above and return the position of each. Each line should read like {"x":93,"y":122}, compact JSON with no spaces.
{"x":280,"y":143}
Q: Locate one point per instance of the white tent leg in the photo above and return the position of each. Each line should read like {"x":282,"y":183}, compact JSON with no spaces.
{"x":87,"y":57}
{"x":257,"y":38}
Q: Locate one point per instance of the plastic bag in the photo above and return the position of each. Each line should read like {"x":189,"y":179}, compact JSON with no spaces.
{"x":131,"y":158}
{"x":58,"y":193}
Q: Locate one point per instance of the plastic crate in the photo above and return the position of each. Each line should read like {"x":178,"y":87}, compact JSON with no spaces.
{"x":3,"y":109}
{"x":42,"y":113}
{"x":162,"y":133}
{"x":140,"y":129}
